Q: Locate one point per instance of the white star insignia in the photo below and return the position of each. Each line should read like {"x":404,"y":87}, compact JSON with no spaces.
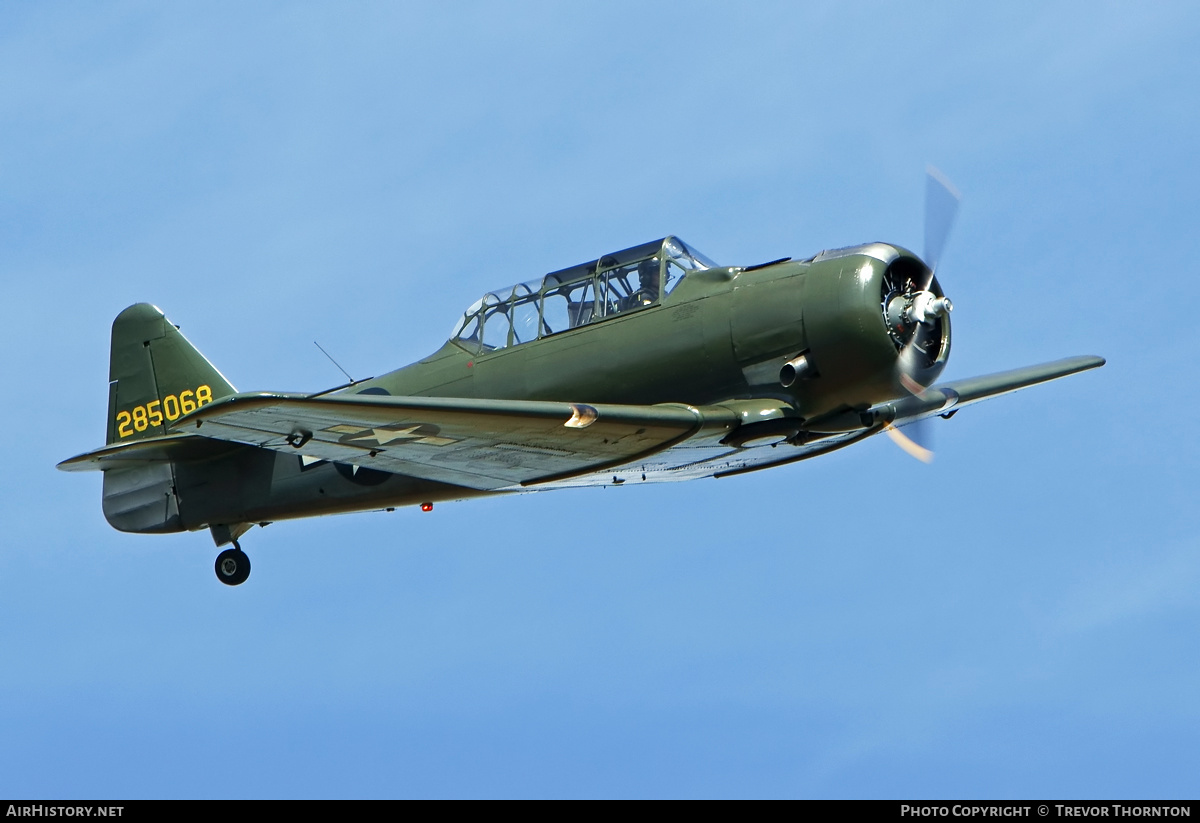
{"x":385,"y":436}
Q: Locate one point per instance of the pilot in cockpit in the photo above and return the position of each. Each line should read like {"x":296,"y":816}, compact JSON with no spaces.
{"x":648,"y":281}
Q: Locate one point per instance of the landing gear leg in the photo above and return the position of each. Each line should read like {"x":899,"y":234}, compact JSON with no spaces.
{"x":233,"y":566}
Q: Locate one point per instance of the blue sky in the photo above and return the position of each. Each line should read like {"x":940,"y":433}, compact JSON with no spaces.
{"x":1018,"y":619}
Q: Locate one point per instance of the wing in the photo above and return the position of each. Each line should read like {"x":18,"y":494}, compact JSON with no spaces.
{"x":499,"y":444}
{"x":847,"y":428}
{"x":947,"y":397}
{"x":479,"y":444}
{"x":974,"y":389}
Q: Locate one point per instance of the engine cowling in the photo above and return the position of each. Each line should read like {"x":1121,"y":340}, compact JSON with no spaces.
{"x":865,"y":309}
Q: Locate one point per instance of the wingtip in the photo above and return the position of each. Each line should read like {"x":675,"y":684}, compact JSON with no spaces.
{"x":1083,"y":362}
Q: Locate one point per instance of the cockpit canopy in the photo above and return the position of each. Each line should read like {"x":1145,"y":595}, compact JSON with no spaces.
{"x":617,"y":283}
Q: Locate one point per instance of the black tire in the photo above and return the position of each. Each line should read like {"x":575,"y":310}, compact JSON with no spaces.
{"x":232,"y":567}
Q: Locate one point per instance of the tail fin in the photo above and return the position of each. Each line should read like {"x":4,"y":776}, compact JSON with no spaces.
{"x":155,"y":376}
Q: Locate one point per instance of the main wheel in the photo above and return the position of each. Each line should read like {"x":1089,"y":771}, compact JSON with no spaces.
{"x":233,"y":567}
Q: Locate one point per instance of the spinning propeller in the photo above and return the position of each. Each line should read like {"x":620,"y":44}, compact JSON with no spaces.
{"x":915,"y":312}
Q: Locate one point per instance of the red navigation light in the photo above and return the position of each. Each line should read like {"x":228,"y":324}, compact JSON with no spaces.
{"x":426,"y":507}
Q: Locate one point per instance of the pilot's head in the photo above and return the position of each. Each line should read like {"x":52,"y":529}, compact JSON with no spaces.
{"x":648,"y":275}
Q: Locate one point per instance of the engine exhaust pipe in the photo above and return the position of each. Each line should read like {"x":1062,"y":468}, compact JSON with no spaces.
{"x":795,"y":369}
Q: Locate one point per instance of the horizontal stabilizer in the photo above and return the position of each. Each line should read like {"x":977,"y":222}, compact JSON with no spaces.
{"x":163,"y":449}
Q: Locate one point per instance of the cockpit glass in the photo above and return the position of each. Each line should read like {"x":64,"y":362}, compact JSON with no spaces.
{"x":687,"y":258}
{"x":617,"y":283}
{"x":496,"y":326}
{"x":525,"y":319}
{"x":468,"y":315}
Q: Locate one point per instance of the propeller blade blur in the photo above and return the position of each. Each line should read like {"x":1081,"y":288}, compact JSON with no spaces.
{"x":915,"y":439}
{"x":941,"y":207}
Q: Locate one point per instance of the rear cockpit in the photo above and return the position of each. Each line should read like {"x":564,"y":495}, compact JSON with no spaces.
{"x":616,"y":284}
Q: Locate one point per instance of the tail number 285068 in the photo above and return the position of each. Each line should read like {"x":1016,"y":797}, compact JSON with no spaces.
{"x":170,"y":408}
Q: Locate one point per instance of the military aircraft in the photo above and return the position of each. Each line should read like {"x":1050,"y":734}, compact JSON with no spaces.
{"x":646,"y":365}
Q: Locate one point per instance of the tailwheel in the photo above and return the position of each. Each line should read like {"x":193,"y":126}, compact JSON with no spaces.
{"x":233,"y":566}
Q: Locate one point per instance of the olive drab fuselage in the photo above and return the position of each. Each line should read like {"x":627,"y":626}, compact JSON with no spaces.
{"x":723,"y":334}
{"x":641,"y":331}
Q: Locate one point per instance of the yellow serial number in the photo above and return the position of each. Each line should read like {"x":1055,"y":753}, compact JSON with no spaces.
{"x":171,"y":407}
